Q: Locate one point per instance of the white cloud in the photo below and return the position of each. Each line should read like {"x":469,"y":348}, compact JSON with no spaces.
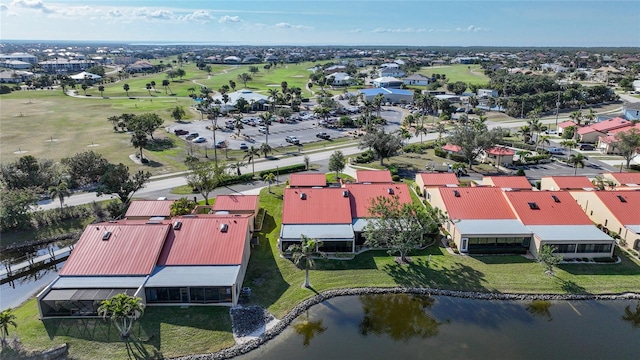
{"x":284,"y":25}
{"x":32,"y":4}
{"x":198,"y":15}
{"x":356,"y":31}
{"x":471,"y":28}
{"x":160,"y":15}
{"x":113,"y":13}
{"x":405,"y":30}
{"x":229,"y":19}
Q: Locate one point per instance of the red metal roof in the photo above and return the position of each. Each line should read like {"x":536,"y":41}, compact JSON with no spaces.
{"x":149,"y":208}
{"x":321,"y":206}
{"x":627,"y":178}
{"x":132,"y":249}
{"x":547,"y":211}
{"x":476,"y":203}
{"x":236,"y":203}
{"x":373,"y":176}
{"x":500,"y":151}
{"x":452,"y":148}
{"x":604,"y":126}
{"x":626,"y":128}
{"x":199,"y":241}
{"x":439,"y":179}
{"x":512,"y":182}
{"x":572,"y":182}
{"x":362,"y":195}
{"x":308,"y":180}
{"x":628,"y":212}
{"x":567,"y":124}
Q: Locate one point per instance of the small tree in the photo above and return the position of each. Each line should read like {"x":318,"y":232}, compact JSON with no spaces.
{"x":307,"y":162}
{"x":269,"y":178}
{"x":126,"y":88}
{"x":204,"y":178}
{"x":6,"y":319}
{"x":60,"y":191}
{"x":123,"y":310}
{"x":382,"y":143}
{"x":337,"y":162}
{"x":117,"y":181}
{"x":303,"y":254}
{"x":548,"y":259}
{"x":178,"y":113}
{"x":183,"y":206}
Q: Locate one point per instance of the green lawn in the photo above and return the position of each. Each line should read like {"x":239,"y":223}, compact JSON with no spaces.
{"x":470,"y":74}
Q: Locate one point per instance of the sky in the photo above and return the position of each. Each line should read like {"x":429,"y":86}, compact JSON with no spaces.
{"x":534,"y":23}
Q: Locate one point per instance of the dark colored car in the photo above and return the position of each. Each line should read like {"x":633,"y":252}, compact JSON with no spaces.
{"x":323,"y":135}
{"x":586,"y":147}
{"x":192,"y":136}
{"x":180,"y":132}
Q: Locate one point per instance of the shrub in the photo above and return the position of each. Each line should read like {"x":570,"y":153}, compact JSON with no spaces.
{"x":439,"y":152}
{"x":393,"y":169}
{"x":285,"y":170}
{"x":417,"y":148}
{"x":366,"y":157}
{"x":605,"y":260}
{"x":238,"y":179}
{"x":457,"y":158}
{"x":395,"y":177}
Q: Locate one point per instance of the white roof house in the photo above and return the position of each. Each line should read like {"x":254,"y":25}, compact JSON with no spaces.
{"x":86,"y":75}
{"x":248,"y":95}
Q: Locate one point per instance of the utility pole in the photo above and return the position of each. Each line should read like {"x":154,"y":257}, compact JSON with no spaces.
{"x":557,"y":110}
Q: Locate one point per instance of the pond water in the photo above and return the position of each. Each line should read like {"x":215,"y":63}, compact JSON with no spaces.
{"x":401,"y":326}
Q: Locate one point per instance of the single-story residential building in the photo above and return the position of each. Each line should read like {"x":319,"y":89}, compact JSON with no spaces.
{"x":565,"y":124}
{"x":307,"y":180}
{"x":390,"y":71}
{"x":606,"y":144}
{"x":373,"y":176}
{"x":591,"y":133}
{"x":498,"y":155}
{"x":340,"y":79}
{"x":507,"y":182}
{"x":85,"y":76}
{"x":485,"y":93}
{"x":387,"y":82}
{"x":257,"y":101}
{"x":417,"y":79}
{"x":616,"y":211}
{"x":15,"y":76}
{"x":395,"y":96}
{"x":147,"y":209}
{"x":624,"y":180}
{"x":631,"y":110}
{"x":430,"y":182}
{"x":565,"y":183}
{"x":232,"y":60}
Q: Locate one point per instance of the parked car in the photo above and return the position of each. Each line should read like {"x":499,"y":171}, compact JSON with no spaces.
{"x":556,"y":151}
{"x":220,"y":144}
{"x":199,"y":139}
{"x":323,"y":135}
{"x":262,"y":129}
{"x":180,"y":132}
{"x":192,"y":136}
{"x":243,"y":146}
{"x":586,"y":147}
{"x":292,"y":139}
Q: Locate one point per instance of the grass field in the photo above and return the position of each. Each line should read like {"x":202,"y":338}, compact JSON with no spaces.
{"x":470,"y":74}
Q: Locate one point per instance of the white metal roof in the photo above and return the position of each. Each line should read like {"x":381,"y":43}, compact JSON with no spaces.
{"x":634,"y":228}
{"x":322,"y":232}
{"x":172,"y":276}
{"x":492,"y":227}
{"x":569,"y":233}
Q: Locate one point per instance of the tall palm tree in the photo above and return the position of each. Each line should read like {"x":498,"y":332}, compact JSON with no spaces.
{"x":266,"y":118}
{"x":236,"y":166}
{"x":303,"y":254}
{"x":590,"y":117}
{"x":273,"y":95}
{"x":269,"y":178}
{"x":568,"y":144}
{"x":440,"y":129}
{"x":577,"y":160}
{"x":165,"y":84}
{"x":251,"y":154}
{"x":266,"y":149}
{"x":576,"y":116}
{"x":61,"y":191}
{"x":153,"y":85}
{"x":544,"y":139}
{"x":213,"y":114}
{"x":237,"y":124}
{"x":126,"y":88}
{"x":123,"y":310}
{"x":101,"y":89}
{"x":6,"y":319}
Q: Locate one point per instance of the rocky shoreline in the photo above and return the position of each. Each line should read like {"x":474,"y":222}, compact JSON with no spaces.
{"x":255,"y":316}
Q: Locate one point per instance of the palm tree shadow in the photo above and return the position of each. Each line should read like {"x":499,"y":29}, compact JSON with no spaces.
{"x":135,"y":350}
{"x":571,"y":287}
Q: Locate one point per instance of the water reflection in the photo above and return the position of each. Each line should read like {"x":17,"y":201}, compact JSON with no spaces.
{"x":540,"y":308}
{"x":400,"y":316}
{"x":632,"y":316}
{"x":308,"y":329}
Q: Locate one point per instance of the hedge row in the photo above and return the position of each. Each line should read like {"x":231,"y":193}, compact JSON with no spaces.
{"x":284,"y":170}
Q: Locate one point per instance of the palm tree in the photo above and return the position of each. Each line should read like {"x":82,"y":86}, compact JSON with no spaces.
{"x":577,"y":160}
{"x":101,"y":89}
{"x":266,"y":118}
{"x":237,"y":124}
{"x":126,"y":88}
{"x":232,"y":85}
{"x":61,"y":191}
{"x":568,"y":144}
{"x":269,"y":178}
{"x":84,"y":88}
{"x":440,"y":129}
{"x":236,"y":166}
{"x":165,"y":84}
{"x":266,"y":149}
{"x":123,"y":310}
{"x":303,"y":254}
{"x":6,"y":319}
{"x":590,"y":117}
{"x":139,"y":140}
{"x":251,"y":154}
{"x":544,"y":139}
{"x":213,"y":115}
{"x":273,"y":95}
{"x":148,"y":86}
{"x":576,"y":116}
{"x":153,"y":85}
{"x":182,"y":206}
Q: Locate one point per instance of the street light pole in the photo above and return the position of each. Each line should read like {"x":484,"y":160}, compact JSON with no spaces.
{"x":557,"y":110}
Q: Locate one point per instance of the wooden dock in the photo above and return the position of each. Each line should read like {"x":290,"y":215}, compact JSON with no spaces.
{"x":14,"y":271}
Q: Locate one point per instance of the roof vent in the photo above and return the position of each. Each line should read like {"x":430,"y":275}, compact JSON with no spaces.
{"x":224,"y":228}
{"x":177,"y":225}
{"x":345,"y":193}
{"x":390,"y":191}
{"x":555,"y":198}
{"x":106,"y":235}
{"x":303,"y":196}
{"x":456,"y":193}
{"x":621,"y":198}
{"x":533,"y":206}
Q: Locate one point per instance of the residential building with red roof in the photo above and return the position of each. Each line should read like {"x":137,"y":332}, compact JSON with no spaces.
{"x":617,"y":211}
{"x":606,"y":144}
{"x":373,"y":176}
{"x":429,"y":182}
{"x":450,"y":148}
{"x":566,"y":124}
{"x":480,"y":220}
{"x":499,"y":155}
{"x":565,"y":183}
{"x":591,"y":133}
{"x":307,"y":180}
{"x":507,"y":182}
{"x":624,"y":180}
{"x":556,"y":219}
{"x":147,"y":209}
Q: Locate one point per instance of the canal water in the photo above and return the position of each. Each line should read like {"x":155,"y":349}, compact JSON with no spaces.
{"x":12,"y":295}
{"x":401,"y":326}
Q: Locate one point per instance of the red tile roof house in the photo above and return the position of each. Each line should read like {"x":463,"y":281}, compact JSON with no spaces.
{"x":430,"y":182}
{"x":307,"y":180}
{"x":565,"y":183}
{"x":147,"y":209}
{"x":499,"y":155}
{"x":373,"y":176}
{"x":480,"y":220}
{"x":507,"y":182}
{"x":564,"y":125}
{"x":617,"y":211}
{"x":591,"y":133}
{"x":188,"y":260}
{"x":624,"y":180}
{"x":556,"y":219}
{"x":606,"y":144}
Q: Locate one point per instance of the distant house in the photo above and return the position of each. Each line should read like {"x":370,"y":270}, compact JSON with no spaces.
{"x":417,"y":79}
{"x":387,"y":82}
{"x":499,"y":155}
{"x":139,"y":66}
{"x":565,"y":183}
{"x":607,"y":144}
{"x":256,"y":101}
{"x":508,"y":182}
{"x":334,"y":69}
{"x":430,"y":182}
{"x":15,"y":76}
{"x":340,"y":79}
{"x":390,"y":72}
{"x":485,"y":93}
{"x":373,"y":176}
{"x":19,"y":56}
{"x":591,"y":133}
{"x":564,"y":125}
{"x":232,"y":60}
{"x":631,"y":110}
{"x":16,"y":64}
{"x":85,"y":76}
{"x":624,"y":180}
{"x":636,"y":86}
{"x":395,"y":96}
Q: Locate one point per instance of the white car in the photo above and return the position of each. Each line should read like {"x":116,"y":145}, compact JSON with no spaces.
{"x":262,"y":129}
{"x":199,"y":139}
